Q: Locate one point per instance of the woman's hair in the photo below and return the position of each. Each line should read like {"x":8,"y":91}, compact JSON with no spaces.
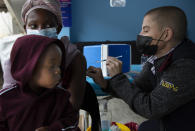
{"x":52,"y":6}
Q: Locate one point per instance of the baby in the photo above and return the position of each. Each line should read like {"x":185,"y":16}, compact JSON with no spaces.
{"x":37,"y":102}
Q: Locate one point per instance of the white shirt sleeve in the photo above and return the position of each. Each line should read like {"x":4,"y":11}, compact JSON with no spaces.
{"x":6,"y":44}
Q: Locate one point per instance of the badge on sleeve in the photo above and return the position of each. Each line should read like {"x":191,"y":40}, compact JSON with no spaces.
{"x":169,"y":85}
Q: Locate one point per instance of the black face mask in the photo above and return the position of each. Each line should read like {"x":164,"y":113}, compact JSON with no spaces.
{"x":144,"y":47}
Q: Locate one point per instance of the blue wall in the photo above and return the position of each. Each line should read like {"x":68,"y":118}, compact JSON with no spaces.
{"x":95,"y":20}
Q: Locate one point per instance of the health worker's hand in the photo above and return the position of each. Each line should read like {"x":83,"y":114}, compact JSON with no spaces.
{"x":114,"y":66}
{"x":96,"y":75}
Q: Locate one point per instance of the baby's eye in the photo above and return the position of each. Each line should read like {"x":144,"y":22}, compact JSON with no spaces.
{"x":52,"y":66}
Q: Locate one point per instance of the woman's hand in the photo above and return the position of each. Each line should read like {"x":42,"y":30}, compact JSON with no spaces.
{"x":114,"y":66}
{"x":45,"y":128}
{"x":96,"y":75}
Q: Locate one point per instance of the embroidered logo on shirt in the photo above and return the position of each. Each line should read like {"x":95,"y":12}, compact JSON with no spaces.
{"x":169,"y":85}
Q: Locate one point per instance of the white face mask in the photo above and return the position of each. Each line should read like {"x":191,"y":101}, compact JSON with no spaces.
{"x":49,"y":32}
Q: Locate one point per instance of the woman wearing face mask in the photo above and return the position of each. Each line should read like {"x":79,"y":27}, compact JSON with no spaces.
{"x":43,"y":17}
{"x":164,"y":90}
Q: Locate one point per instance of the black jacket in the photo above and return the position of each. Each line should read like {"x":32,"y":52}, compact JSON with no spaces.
{"x":168,"y":95}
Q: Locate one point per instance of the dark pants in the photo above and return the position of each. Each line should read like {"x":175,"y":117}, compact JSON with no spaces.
{"x":150,"y":125}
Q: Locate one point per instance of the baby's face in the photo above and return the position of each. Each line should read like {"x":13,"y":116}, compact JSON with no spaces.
{"x":47,"y":73}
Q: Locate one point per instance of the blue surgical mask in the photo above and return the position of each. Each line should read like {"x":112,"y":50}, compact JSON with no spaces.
{"x":49,"y":32}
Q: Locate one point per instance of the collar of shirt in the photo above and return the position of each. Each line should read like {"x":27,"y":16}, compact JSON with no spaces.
{"x":152,"y":58}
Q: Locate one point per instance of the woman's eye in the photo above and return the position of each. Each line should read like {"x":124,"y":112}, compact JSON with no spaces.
{"x":48,"y":26}
{"x":32,"y":26}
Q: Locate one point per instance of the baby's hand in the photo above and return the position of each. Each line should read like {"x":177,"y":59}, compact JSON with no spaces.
{"x":42,"y":129}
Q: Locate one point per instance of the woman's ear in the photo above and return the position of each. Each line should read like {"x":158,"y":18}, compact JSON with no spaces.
{"x":168,"y":34}
{"x":59,"y":29}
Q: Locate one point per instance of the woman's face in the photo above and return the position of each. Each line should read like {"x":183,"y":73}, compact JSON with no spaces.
{"x":41,"y":19}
